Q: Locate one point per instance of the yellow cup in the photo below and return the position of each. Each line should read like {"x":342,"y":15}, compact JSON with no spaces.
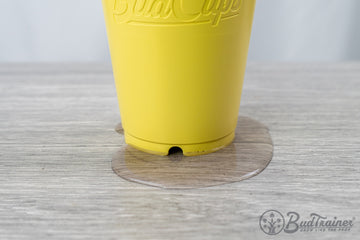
{"x":179,"y":67}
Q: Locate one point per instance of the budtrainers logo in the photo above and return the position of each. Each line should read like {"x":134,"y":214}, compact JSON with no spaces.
{"x":175,"y":12}
{"x":272,"y":222}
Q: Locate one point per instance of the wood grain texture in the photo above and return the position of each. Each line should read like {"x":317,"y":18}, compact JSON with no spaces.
{"x":57,"y":138}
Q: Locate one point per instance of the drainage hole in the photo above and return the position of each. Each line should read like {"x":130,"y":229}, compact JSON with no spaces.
{"x":175,"y":151}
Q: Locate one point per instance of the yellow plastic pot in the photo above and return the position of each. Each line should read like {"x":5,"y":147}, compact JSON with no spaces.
{"x":179,"y":67}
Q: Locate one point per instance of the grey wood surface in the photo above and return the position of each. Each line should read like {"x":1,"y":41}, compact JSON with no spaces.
{"x":57,"y":139}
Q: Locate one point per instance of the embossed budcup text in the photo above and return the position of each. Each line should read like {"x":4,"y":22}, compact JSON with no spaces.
{"x":175,"y":12}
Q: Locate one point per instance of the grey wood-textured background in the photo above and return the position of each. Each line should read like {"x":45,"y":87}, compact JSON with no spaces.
{"x":57,"y":138}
